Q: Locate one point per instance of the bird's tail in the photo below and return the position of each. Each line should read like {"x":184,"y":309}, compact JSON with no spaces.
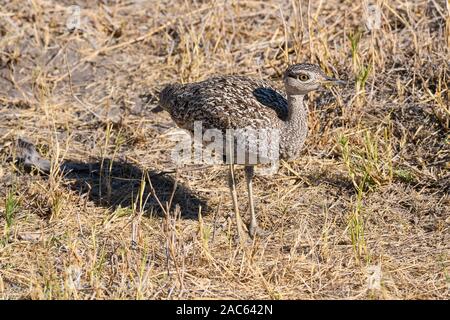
{"x":168,"y":95}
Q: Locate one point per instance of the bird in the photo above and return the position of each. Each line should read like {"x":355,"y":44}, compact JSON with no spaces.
{"x":233,"y":102}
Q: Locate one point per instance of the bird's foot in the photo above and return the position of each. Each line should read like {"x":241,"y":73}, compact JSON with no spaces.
{"x":255,"y":231}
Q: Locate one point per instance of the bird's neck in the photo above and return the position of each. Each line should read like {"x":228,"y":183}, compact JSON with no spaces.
{"x":297,"y":110}
{"x":296,"y":126}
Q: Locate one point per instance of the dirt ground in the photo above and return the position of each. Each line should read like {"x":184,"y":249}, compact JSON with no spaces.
{"x":363,"y":214}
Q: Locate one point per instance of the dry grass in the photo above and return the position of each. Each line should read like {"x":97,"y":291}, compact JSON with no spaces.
{"x":370,"y":190}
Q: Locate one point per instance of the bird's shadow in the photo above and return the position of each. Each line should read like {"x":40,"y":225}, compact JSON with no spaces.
{"x":114,"y":184}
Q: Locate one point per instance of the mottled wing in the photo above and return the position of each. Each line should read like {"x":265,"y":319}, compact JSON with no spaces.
{"x":225,"y":102}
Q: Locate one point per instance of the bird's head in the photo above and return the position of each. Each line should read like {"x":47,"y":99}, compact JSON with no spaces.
{"x":299,"y":79}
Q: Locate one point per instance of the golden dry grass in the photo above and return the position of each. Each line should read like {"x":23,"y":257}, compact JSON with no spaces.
{"x":370,"y":190}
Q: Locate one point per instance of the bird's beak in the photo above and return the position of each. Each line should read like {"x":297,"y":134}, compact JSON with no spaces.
{"x":333,"y":81}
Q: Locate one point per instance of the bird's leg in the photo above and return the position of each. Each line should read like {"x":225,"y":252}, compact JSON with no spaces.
{"x":249,"y":173}
{"x":232,"y":186}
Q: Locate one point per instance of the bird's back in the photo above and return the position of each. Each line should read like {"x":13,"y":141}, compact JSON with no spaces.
{"x":225,"y":102}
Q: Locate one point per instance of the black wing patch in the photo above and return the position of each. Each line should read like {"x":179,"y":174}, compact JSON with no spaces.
{"x":272,"y":99}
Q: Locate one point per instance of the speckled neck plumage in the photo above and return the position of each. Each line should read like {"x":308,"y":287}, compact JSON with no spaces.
{"x":295,"y":128}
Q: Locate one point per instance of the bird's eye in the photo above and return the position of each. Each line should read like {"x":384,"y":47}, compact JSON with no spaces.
{"x":303,"y":77}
